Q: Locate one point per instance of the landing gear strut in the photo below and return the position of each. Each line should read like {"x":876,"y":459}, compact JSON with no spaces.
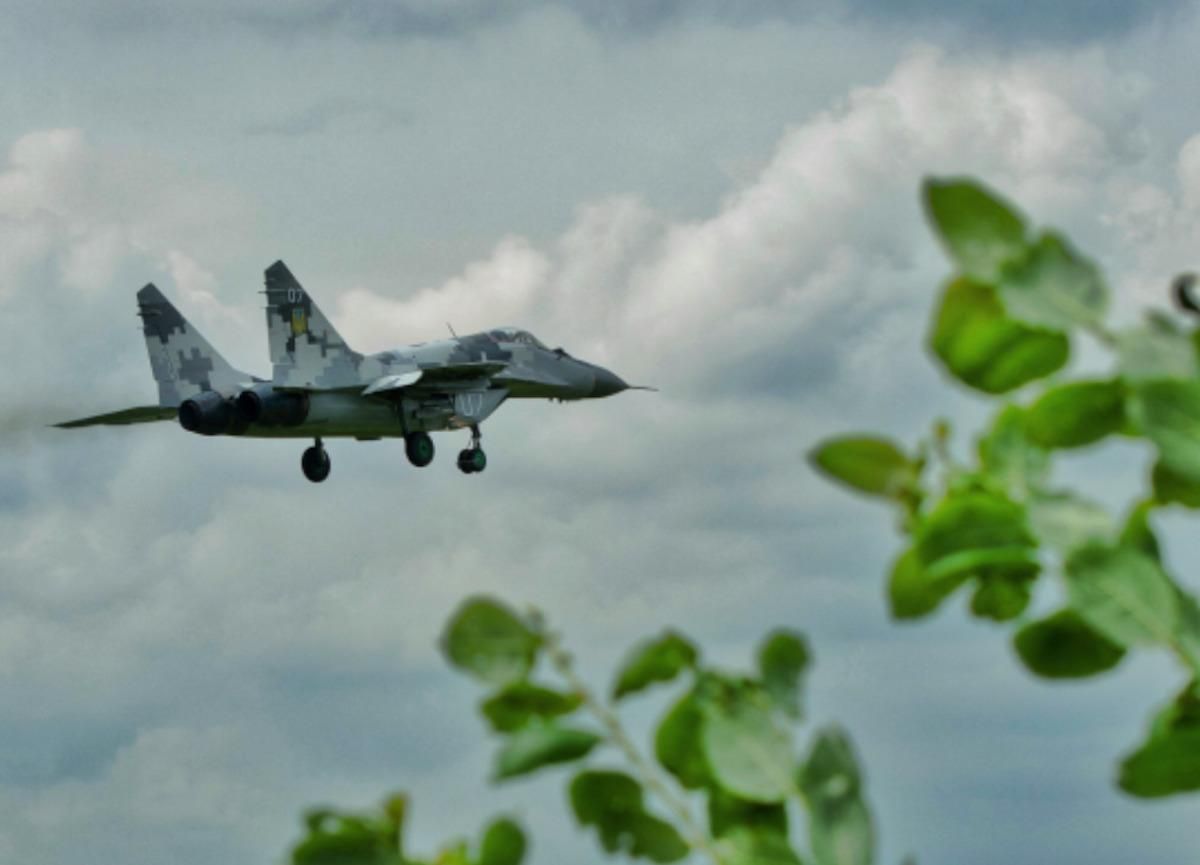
{"x":315,"y":463}
{"x":418,"y":447}
{"x":472,"y":460}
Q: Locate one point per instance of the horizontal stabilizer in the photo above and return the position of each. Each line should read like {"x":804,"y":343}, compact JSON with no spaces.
{"x":141,"y":414}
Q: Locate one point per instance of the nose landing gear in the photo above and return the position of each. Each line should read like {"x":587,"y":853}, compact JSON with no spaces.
{"x":315,"y":462}
{"x":473,"y":460}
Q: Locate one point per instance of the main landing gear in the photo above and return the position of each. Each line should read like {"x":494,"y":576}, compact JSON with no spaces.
{"x":418,"y":447}
{"x":315,"y":463}
{"x":472,"y":460}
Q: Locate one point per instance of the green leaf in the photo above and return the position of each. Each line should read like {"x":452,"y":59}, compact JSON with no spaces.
{"x":1168,"y":413}
{"x":870,"y":465}
{"x":678,"y":744}
{"x":746,"y":847}
{"x":1001,"y":598}
{"x":911,"y":593}
{"x":1007,"y":454}
{"x":658,"y":660}
{"x":486,"y":639}
{"x":542,"y":744}
{"x":1064,"y":646}
{"x":503,"y":844}
{"x":1157,"y":349}
{"x":1054,"y":286}
{"x":979,"y":230}
{"x":612,"y":803}
{"x":1163,"y":766}
{"x":1077,"y":414}
{"x":831,"y":771}
{"x":984,"y":348}
{"x":748,"y":753}
{"x":782,"y":660}
{"x":1188,"y":630}
{"x":1171,"y":488}
{"x":976,"y":534}
{"x":1123,"y":593}
{"x":840,"y":829}
{"x":1064,"y":521}
{"x":727,"y":814}
{"x":336,"y":839}
{"x":1169,"y":761}
{"x":454,"y":854}
{"x":521,"y":702}
{"x":1139,"y":534}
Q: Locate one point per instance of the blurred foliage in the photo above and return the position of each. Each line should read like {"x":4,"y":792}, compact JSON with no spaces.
{"x":725,"y":745}
{"x":1005,"y":325}
{"x":377,"y":838}
{"x":727,"y":741}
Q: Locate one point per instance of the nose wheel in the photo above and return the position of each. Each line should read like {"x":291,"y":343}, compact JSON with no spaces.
{"x":315,"y":463}
{"x":472,"y":460}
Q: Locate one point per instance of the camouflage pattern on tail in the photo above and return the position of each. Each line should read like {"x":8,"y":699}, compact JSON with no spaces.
{"x":306,"y":350}
{"x":183,"y":361}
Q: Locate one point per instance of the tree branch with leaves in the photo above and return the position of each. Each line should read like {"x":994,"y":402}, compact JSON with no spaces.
{"x":1005,"y":324}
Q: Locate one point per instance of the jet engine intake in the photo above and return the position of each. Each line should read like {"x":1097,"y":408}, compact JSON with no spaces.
{"x":264,"y":405}
{"x":208,"y":413}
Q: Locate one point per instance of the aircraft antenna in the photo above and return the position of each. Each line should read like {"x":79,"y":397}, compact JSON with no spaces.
{"x":451,"y":328}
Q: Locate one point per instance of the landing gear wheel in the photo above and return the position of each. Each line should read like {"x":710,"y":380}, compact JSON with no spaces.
{"x":316,"y":463}
{"x":472,"y":460}
{"x":418,"y":447}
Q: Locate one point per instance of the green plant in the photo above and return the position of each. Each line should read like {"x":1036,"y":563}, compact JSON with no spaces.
{"x":339,"y":838}
{"x":991,"y":526}
{"x":727,"y":742}
{"x":727,"y":739}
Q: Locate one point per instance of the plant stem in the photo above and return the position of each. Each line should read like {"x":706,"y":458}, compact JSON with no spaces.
{"x":694,"y":834}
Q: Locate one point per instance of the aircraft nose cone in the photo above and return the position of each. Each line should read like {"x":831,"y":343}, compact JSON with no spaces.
{"x":607,"y":383}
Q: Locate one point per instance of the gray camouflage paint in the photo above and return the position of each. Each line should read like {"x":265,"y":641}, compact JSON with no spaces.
{"x":462,"y":380}
{"x":182,"y":361}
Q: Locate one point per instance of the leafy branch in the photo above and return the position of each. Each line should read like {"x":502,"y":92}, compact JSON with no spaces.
{"x":377,"y":838}
{"x":727,"y":740}
{"x":1005,"y":323}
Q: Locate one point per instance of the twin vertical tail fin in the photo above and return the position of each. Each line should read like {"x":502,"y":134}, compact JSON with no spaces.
{"x":306,"y":350}
{"x":183,"y":362}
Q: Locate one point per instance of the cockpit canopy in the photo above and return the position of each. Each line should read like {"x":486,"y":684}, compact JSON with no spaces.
{"x":520,"y":337}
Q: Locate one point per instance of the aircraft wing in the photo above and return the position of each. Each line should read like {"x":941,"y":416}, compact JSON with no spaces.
{"x":140,"y":414}
{"x":460,"y":371}
{"x":432,"y":376}
{"x":392,"y":382}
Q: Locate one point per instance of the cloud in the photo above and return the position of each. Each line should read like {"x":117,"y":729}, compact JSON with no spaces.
{"x":347,"y":117}
{"x":1070,"y":22}
{"x":731,"y":302}
{"x":80,"y":232}
{"x":1073,"y":21}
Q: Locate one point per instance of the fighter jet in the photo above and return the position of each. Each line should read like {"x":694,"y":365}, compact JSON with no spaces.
{"x":321,"y":388}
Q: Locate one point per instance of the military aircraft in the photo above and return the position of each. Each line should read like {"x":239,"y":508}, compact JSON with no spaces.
{"x":321,"y":388}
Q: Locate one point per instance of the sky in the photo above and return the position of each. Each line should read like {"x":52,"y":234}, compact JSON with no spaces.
{"x":719,"y":199}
